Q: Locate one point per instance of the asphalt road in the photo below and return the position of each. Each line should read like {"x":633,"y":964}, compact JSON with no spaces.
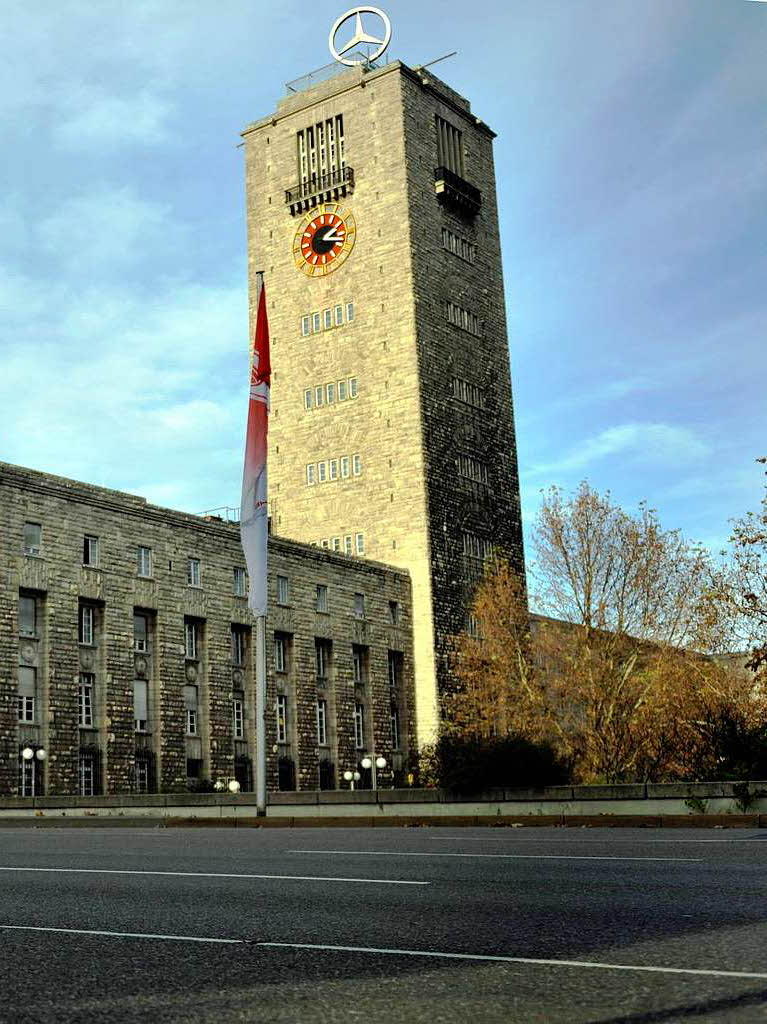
{"x":389,"y":925}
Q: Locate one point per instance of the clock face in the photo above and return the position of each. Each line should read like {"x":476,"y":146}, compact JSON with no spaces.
{"x":324,"y":239}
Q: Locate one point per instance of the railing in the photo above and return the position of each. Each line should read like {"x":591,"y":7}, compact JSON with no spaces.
{"x":341,"y":178}
{"x":452,"y":188}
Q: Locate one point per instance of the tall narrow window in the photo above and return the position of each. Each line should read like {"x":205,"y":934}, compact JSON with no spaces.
{"x":342,"y":391}
{"x":32,"y":538}
{"x":333,"y":469}
{"x":282,"y":718}
{"x":359,"y":539}
{"x":239,"y":581}
{"x":352,"y":387}
{"x":394,"y":725}
{"x":279,"y":653}
{"x":319,"y":395}
{"x":86,"y":624}
{"x":193,"y":572}
{"x":356,"y":464}
{"x":88,"y":773}
{"x":344,"y":466}
{"x":395,"y":669}
{"x":322,"y":657}
{"x":322,"y":723}
{"x":239,"y":643}
{"x":90,"y":550}
{"x":283,"y":590}
{"x":348,"y":544}
{"x":322,"y":472}
{"x":310,"y":474}
{"x":349,"y":312}
{"x":449,"y":147}
{"x":27,"y":615}
{"x":357,"y":664}
{"x":85,"y":700}
{"x":322,"y":597}
{"x":316,"y":324}
{"x":144,"y":557}
{"x":140,"y":705}
{"x":328,"y":318}
{"x":191,"y":640}
{"x":330,"y":392}
{"x":27,"y":693}
{"x":336,"y":543}
{"x":140,"y":633}
{"x":359,"y":726}
{"x":238,"y":717}
{"x":394,"y":613}
{"x":191,"y":710}
{"x":359,"y":606}
{"x":339,"y":315}
{"x":305,"y":325}
{"x":308,"y":398}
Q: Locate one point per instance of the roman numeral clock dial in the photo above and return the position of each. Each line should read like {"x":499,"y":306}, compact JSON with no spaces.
{"x":324,"y":239}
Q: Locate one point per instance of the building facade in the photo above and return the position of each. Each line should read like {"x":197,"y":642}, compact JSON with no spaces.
{"x":371,"y":209}
{"x":126,"y":650}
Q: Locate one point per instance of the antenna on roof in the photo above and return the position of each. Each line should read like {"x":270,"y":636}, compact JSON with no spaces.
{"x":420,"y":67}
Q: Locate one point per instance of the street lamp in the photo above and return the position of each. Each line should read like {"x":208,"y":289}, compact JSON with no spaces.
{"x":372,"y":762}
{"x":351,"y":778}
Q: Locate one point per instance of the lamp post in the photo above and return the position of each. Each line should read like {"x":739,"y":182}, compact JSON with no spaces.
{"x":351,"y":778}
{"x":373,"y":762}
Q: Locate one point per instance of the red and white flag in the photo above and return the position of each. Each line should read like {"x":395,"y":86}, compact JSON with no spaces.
{"x":253,"y":515}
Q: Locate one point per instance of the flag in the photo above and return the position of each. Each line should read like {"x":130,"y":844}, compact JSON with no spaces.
{"x":253,"y":515}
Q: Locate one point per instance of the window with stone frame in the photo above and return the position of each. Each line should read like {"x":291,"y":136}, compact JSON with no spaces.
{"x":27,"y":693}
{"x":27,"y":615}
{"x":239,"y":643}
{"x":140,"y":633}
{"x":86,"y":619}
{"x":32,"y":538}
{"x":322,"y":656}
{"x":282,"y":718}
{"x":239,"y":581}
{"x":359,"y":725}
{"x":238,"y":715}
{"x":191,"y":639}
{"x":322,"y":597}
{"x":85,"y":700}
{"x":144,"y":561}
{"x":90,"y":550}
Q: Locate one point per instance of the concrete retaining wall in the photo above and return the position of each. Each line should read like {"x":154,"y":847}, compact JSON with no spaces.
{"x":637,"y":805}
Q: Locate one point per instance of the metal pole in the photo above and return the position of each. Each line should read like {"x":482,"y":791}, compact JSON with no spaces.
{"x":261,"y":715}
{"x":373,"y":770}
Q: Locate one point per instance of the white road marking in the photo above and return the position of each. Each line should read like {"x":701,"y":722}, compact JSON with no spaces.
{"x":119,"y":935}
{"x":212,"y":874}
{"x":578,"y":842}
{"x":497,"y":856}
{"x":520,"y":960}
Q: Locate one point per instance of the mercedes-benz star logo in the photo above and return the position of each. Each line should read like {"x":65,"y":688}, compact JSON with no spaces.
{"x":360,"y":36}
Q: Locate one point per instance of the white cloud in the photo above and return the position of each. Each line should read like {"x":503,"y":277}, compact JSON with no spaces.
{"x":641,"y":442}
{"x":96,"y":118}
{"x":108,"y":229}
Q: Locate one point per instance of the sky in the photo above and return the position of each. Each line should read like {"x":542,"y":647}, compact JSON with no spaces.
{"x":631,"y":166}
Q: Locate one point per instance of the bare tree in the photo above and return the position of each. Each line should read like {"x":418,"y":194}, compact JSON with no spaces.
{"x":739,"y":591}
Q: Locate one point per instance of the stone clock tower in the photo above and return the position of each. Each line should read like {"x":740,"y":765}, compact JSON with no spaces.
{"x":372,"y":212}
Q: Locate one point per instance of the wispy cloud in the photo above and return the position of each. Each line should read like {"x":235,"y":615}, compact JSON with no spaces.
{"x":96,"y":118}
{"x":642,"y":442}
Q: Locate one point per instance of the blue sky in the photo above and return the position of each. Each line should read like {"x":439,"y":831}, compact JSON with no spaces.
{"x":631,"y":163}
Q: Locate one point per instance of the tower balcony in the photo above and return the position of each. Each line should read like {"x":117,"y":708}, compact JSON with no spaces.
{"x":321,"y":188}
{"x":453,"y":190}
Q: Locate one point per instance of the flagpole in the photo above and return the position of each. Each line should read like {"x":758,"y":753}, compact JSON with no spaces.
{"x":261,"y":715}
{"x":254,"y":520}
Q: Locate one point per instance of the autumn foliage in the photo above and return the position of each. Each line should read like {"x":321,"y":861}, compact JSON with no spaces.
{"x":617,"y":677}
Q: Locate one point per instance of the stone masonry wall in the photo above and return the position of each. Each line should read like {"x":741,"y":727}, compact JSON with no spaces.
{"x":68,"y":510}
